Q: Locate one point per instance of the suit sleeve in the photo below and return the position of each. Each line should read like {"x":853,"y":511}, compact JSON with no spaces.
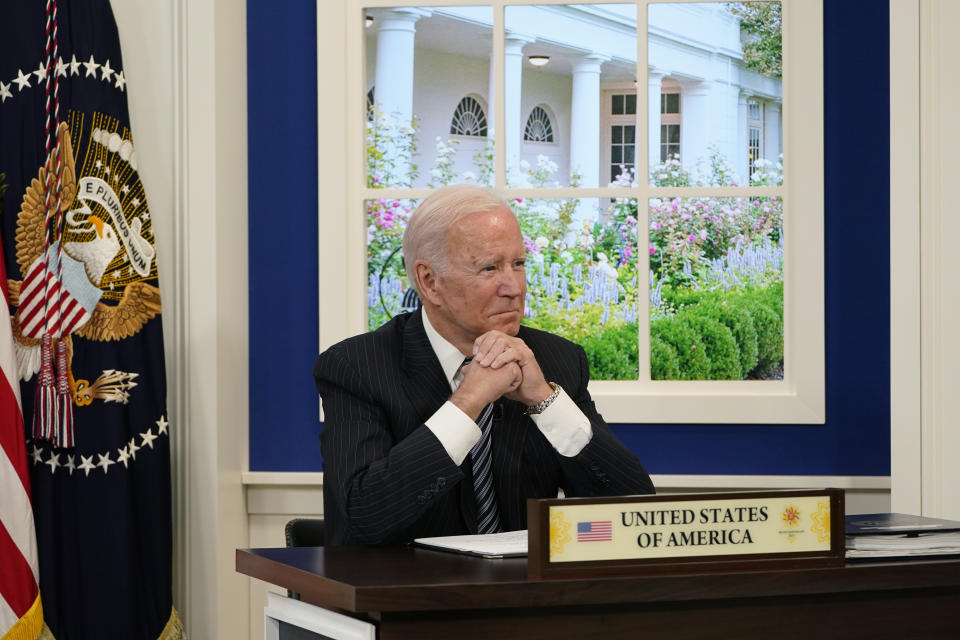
{"x":382,"y":487}
{"x":605,"y":467}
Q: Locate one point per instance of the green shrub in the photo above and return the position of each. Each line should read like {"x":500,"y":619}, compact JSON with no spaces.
{"x":664,"y":364}
{"x":577,"y":325}
{"x":735,"y":317}
{"x":772,"y":296}
{"x":691,"y":353}
{"x":769,"y":328}
{"x":718,"y":342}
{"x":612,"y":354}
{"x":677,"y":298}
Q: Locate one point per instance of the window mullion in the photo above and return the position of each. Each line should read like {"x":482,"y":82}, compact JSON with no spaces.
{"x":642,"y":193}
{"x":498,"y":99}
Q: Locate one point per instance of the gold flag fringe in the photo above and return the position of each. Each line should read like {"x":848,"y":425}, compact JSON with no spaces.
{"x":29,"y":625}
{"x":173,"y":630}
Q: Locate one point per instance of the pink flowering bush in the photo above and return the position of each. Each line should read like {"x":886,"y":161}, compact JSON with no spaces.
{"x":693,"y":230}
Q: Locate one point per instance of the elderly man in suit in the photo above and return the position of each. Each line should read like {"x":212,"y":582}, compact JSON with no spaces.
{"x":445,"y":420}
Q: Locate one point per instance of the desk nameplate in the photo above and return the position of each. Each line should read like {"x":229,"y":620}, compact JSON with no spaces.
{"x":685,"y":533}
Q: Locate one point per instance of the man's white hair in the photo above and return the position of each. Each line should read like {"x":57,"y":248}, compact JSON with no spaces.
{"x":425,"y":237}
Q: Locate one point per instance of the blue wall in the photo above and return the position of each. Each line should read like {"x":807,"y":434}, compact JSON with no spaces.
{"x":283,"y":256}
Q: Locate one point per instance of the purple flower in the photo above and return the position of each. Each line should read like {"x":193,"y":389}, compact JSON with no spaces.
{"x":691,"y":238}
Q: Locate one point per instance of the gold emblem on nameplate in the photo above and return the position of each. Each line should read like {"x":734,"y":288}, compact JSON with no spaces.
{"x":821,"y":521}
{"x":559,"y":532}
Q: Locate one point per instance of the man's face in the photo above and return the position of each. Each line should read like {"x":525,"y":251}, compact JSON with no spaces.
{"x":484,"y":285}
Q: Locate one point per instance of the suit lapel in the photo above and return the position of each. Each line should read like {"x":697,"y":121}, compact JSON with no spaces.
{"x":427,"y":389}
{"x":423,"y":382}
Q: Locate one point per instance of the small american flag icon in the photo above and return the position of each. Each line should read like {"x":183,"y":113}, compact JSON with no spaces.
{"x":595,"y":531}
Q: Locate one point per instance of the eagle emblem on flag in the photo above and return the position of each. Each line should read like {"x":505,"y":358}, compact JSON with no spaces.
{"x":98,"y":283}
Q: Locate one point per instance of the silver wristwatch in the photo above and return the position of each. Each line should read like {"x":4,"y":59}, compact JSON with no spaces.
{"x":541,"y":406}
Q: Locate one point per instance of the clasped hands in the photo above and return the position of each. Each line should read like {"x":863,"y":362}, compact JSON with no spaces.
{"x":502,"y":365}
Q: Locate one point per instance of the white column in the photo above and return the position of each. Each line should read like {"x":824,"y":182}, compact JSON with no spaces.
{"x":492,"y":99}
{"x":694,"y":119}
{"x":513,"y":94}
{"x":654,"y":85}
{"x":585,"y":120}
{"x":393,"y":82}
{"x":771,"y":131}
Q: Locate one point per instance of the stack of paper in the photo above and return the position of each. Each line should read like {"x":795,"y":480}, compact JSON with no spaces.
{"x":897,"y":535}
{"x":509,"y":544}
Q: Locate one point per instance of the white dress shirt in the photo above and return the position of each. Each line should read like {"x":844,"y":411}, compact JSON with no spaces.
{"x":562,"y":423}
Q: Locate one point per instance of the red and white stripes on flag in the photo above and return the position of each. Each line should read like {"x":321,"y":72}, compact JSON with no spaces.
{"x":21,"y":615}
{"x":596,"y":531}
{"x":46,"y":306}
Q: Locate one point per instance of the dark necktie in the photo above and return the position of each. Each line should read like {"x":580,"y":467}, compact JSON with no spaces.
{"x":488,"y":516}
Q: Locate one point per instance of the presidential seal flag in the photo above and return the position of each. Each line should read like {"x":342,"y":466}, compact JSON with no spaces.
{"x":84,"y":301}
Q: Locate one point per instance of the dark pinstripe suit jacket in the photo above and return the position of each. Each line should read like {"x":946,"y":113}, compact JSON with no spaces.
{"x":388,"y":480}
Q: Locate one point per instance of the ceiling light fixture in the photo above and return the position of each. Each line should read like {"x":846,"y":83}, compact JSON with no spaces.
{"x":538,"y":61}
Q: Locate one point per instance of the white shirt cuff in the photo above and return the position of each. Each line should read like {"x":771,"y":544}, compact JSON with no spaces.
{"x":455,"y":431}
{"x":564,"y":425}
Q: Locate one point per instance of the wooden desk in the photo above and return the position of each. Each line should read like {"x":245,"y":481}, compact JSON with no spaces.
{"x":416,"y":593}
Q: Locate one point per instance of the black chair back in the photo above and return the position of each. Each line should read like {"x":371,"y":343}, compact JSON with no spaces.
{"x":303,"y":532}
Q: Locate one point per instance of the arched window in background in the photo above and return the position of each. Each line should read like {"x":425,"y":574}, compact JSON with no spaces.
{"x":469,"y":119}
{"x":539,"y":128}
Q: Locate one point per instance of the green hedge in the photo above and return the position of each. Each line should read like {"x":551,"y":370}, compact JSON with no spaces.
{"x":664,"y":363}
{"x":719,"y":346}
{"x":612,"y":354}
{"x":769,"y":335}
{"x":718,"y":335}
{"x":740,"y":323}
{"x":686,"y":342}
{"x":714,"y":335}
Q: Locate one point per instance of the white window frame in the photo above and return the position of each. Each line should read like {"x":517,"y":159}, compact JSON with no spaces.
{"x":797,"y":399}
{"x":608,"y":120}
{"x":755,"y":124}
{"x":671,"y":119}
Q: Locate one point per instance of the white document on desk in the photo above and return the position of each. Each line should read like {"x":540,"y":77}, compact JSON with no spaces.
{"x":509,"y":544}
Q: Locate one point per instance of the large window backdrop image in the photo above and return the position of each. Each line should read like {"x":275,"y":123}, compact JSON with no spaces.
{"x":573,"y":118}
